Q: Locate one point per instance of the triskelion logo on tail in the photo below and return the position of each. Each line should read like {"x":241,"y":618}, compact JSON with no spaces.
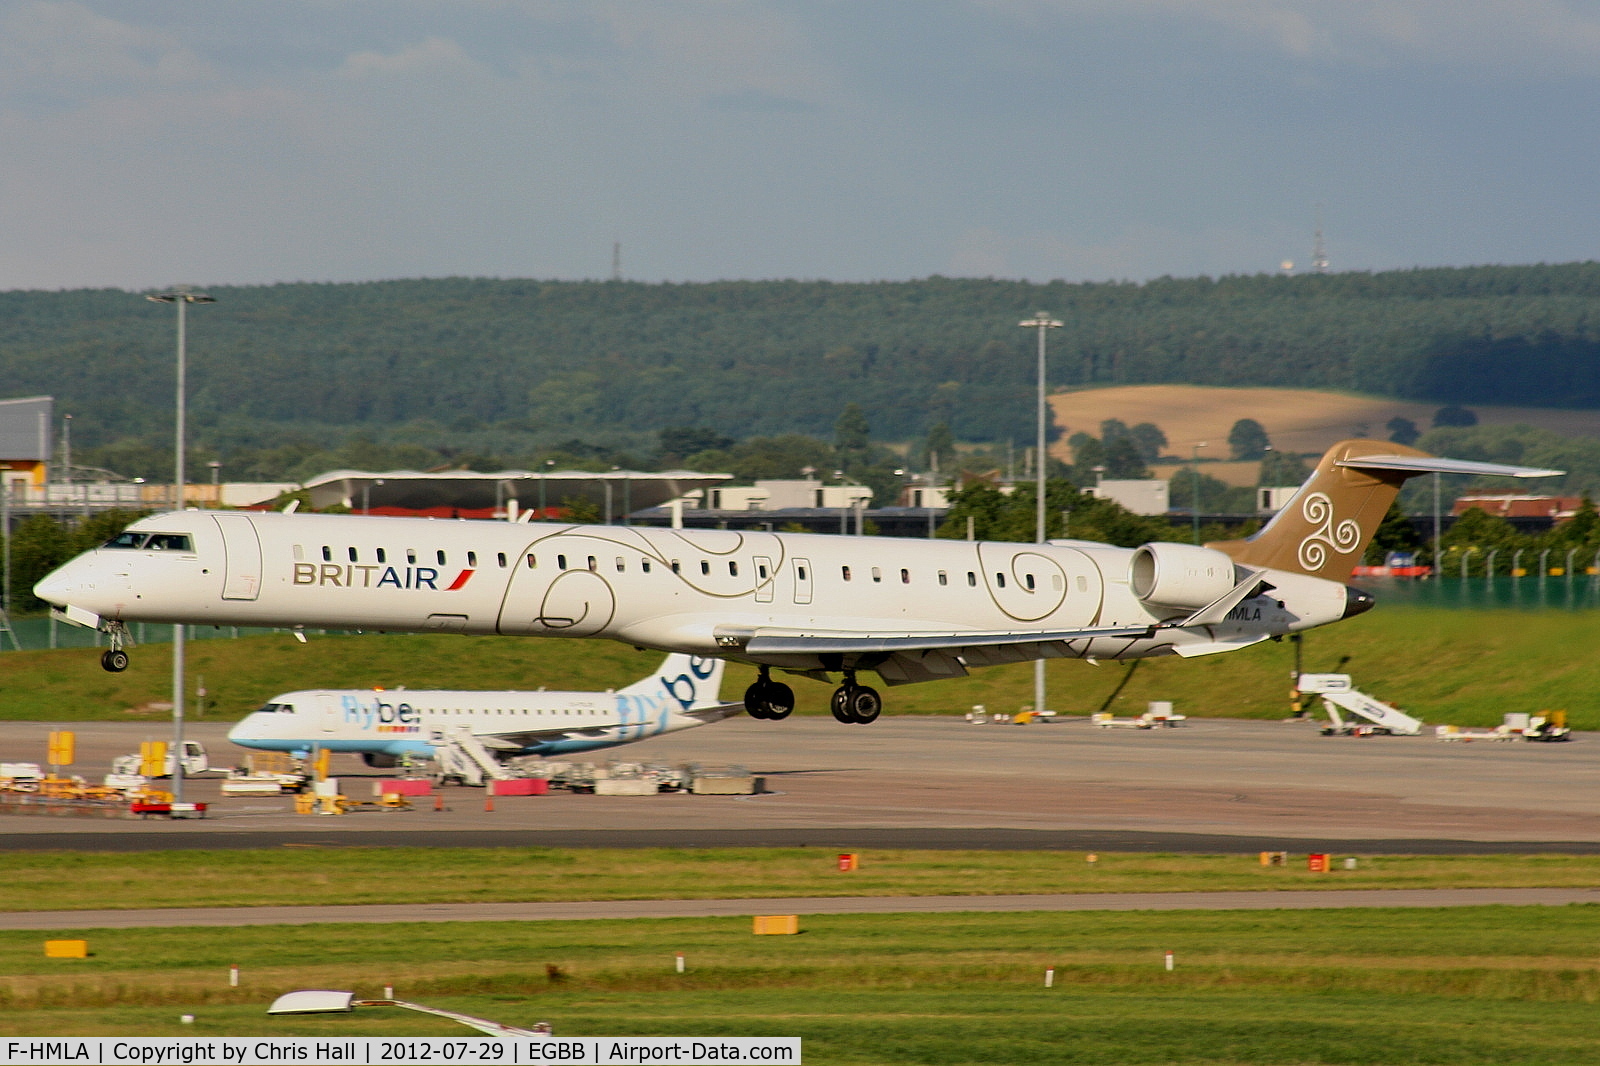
{"x":1343,"y":537}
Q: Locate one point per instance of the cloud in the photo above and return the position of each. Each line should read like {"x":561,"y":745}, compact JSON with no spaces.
{"x":430,"y":57}
{"x":64,"y":52}
{"x":1548,"y":36}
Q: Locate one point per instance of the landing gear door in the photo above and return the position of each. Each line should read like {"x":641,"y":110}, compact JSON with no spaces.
{"x":242,"y":555}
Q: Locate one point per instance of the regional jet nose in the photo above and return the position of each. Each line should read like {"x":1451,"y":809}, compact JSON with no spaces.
{"x":56,"y":587}
{"x":1356,"y":602}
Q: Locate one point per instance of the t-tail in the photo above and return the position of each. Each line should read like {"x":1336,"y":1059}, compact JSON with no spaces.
{"x":689,"y":680}
{"x":1325,"y":528}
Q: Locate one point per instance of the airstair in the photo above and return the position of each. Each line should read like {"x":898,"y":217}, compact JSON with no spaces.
{"x":462,"y":757}
{"x":1339,"y":694}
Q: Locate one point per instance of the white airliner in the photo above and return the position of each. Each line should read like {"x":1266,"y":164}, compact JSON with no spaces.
{"x":814,"y":605}
{"x":384,"y":725}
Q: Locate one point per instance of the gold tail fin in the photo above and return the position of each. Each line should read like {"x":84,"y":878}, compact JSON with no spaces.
{"x":1325,"y":527}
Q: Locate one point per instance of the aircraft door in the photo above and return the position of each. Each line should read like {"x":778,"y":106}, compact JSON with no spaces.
{"x":765,"y":579}
{"x":241,"y":557}
{"x":802,"y":581}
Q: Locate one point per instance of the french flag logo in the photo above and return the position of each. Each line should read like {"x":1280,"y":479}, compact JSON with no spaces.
{"x":461,"y":579}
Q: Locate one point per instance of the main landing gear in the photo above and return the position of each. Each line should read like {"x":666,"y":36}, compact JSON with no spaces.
{"x":767,"y":699}
{"x":853,"y":703}
{"x":114,"y":660}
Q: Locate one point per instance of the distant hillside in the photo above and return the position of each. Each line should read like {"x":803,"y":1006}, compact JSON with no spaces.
{"x":515,"y":365}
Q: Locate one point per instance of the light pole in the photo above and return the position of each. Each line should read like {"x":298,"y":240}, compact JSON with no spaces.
{"x":1194,"y":471}
{"x":1044,"y":324}
{"x":181,"y":299}
{"x":216,"y":482}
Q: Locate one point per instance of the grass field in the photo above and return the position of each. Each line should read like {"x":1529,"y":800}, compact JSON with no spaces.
{"x":1471,"y":985}
{"x":284,"y":876}
{"x":1462,"y":667}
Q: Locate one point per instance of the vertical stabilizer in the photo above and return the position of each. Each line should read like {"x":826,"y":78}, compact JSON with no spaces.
{"x":1325,"y":527}
{"x":691,"y":681}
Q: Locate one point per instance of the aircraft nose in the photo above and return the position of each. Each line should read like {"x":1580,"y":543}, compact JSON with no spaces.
{"x":56,"y":587}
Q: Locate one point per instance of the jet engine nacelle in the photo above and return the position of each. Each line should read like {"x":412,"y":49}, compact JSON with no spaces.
{"x":1180,"y":575}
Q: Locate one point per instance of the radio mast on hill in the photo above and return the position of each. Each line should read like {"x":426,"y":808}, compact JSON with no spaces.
{"x":616,"y":260}
{"x":1319,"y":251}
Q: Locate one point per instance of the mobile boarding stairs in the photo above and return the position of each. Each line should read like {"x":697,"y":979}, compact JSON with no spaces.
{"x":1345,"y":705}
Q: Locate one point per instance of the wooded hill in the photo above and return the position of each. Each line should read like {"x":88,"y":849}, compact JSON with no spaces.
{"x":509,"y":367}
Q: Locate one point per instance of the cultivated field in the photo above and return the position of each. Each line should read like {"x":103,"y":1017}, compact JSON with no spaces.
{"x":1297,"y":420}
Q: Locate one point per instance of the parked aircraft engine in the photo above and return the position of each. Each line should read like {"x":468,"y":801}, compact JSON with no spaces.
{"x":1180,"y":575}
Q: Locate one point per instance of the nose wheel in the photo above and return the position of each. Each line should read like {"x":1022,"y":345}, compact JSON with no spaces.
{"x":856,"y":704}
{"x":114,"y":660}
{"x":768,"y":700}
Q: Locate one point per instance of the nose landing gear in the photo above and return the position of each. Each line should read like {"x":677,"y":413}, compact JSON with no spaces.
{"x":767,"y":699}
{"x":114,"y":660}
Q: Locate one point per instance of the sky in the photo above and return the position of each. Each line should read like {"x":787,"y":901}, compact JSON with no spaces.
{"x":224,"y":142}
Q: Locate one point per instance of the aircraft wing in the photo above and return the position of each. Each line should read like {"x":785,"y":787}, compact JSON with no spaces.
{"x":765,"y":641}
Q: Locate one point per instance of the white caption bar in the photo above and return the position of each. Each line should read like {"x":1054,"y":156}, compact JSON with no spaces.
{"x":394,"y":1051}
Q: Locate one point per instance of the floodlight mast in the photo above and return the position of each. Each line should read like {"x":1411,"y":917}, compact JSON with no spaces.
{"x":180,"y":298}
{"x":1043,"y":323}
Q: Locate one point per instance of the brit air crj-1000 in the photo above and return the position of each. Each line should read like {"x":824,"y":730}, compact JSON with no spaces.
{"x":812,"y":605}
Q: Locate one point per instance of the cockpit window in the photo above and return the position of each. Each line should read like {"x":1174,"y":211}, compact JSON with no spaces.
{"x":276,"y":708}
{"x":160,"y":542}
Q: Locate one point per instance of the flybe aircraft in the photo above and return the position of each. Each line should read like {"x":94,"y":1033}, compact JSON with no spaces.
{"x":385,"y":725}
{"x":810,"y":605}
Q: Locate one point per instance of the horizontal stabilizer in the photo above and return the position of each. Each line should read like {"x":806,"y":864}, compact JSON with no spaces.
{"x":1429,"y":464}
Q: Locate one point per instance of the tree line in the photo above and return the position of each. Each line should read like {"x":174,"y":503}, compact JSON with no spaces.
{"x":468,"y":370}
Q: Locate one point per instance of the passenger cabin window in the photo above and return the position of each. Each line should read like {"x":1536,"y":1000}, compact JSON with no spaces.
{"x":1000,"y":580}
{"x":1055,"y":582}
{"x":500,"y":557}
{"x":675,"y":567}
{"x":621,"y":565}
{"x":705,"y":567}
{"x":644,"y":564}
{"x":440,"y":556}
{"x":383,"y":556}
{"x":846,"y":571}
{"x":801,"y":571}
{"x":299,"y":554}
{"x":472,"y":558}
{"x":733,"y":568}
{"x":594,"y":564}
{"x":972,"y":579}
{"x":411,"y":556}
{"x":561,"y":562}
{"x":327,"y":554}
{"x":1027,"y":579}
{"x":761,"y":571}
{"x":944,"y":578}
{"x":877,"y":574}
{"x":354,"y":558}
{"x":905,"y":577}
{"x":1083,"y":583}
